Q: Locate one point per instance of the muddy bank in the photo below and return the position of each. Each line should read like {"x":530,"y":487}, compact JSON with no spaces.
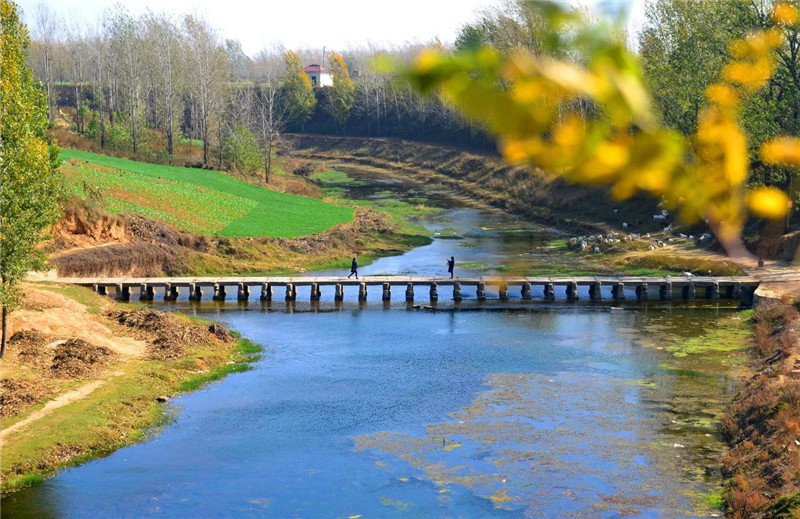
{"x":92,"y":243}
{"x":762,"y":425}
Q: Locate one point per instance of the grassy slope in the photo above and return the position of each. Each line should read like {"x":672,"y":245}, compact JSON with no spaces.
{"x":274,"y":214}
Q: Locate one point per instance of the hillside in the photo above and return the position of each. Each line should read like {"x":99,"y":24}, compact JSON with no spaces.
{"x":197,"y":200}
{"x":485,"y":177}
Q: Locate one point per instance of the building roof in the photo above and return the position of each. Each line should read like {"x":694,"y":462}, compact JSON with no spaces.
{"x":316,"y":68}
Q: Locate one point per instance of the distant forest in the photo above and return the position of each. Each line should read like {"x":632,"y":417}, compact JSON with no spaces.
{"x":141,"y":84}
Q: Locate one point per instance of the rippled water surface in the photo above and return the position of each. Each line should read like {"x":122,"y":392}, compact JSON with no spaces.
{"x":533,"y":411}
{"x":501,"y":409}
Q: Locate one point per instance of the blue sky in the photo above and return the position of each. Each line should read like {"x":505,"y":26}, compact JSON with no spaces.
{"x":300,"y":24}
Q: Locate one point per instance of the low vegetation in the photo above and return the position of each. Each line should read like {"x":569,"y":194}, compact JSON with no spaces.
{"x":198,"y":200}
{"x":763,"y":425}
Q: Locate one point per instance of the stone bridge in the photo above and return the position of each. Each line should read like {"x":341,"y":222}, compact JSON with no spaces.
{"x":407,"y":287}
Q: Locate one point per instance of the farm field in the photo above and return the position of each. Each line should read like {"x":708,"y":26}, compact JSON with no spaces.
{"x":197,"y":200}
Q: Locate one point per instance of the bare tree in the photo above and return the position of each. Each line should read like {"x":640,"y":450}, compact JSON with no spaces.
{"x":78,"y":53}
{"x":165,"y":54}
{"x":272,"y":113}
{"x":46,"y":34}
{"x":207,"y":78}
{"x":126,"y":47}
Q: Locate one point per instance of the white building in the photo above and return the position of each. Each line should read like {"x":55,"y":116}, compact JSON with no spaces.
{"x":319,"y":75}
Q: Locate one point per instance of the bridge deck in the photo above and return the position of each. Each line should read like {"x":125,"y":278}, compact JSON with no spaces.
{"x":161,"y":282}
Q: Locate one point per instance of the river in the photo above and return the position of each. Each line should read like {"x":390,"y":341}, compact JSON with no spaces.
{"x":496,"y":409}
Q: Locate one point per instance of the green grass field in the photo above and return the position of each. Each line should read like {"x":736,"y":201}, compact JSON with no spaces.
{"x":198,"y":200}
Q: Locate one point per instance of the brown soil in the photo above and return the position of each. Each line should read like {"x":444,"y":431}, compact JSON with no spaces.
{"x":77,"y":358}
{"x":169,"y":337}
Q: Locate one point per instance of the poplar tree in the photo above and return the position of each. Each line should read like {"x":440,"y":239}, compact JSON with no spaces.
{"x":297,"y":91}
{"x":29,"y":182}
{"x":342,"y":94}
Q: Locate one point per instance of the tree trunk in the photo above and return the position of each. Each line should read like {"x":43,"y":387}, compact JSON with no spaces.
{"x":5,"y":327}
{"x":268,"y":161}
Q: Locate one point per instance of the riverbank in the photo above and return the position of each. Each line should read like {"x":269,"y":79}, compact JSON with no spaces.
{"x":84,"y":376}
{"x":762,"y":425}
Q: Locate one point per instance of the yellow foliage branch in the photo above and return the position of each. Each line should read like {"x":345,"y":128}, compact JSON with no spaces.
{"x":533,"y":104}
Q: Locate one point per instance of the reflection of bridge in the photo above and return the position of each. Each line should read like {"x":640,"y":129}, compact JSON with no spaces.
{"x":687,"y":287}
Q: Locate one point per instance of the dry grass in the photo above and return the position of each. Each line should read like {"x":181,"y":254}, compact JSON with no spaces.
{"x":169,"y":336}
{"x":77,"y":358}
{"x":17,"y":395}
{"x":763,"y":425}
{"x":123,"y":259}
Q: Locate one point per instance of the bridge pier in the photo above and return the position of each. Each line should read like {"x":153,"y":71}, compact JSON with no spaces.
{"x":362,"y":292}
{"x":316,"y":292}
{"x":387,"y":292}
{"x":123,"y":292}
{"x":434,"y":291}
{"x":219,"y":292}
{"x":641,"y":292}
{"x":618,"y":291}
{"x":526,"y":291}
{"x":689,"y":291}
{"x":410,"y":292}
{"x":595,"y":293}
{"x":195,"y":292}
{"x":481,"y":291}
{"x":99,"y":289}
{"x":291,"y":292}
{"x":339,"y":293}
{"x":243,"y":292}
{"x":549,"y":291}
{"x":457,"y":291}
{"x":503,"y":292}
{"x":266,"y":292}
{"x":572,"y":291}
{"x":712,"y":291}
{"x":146,"y":292}
{"x":748,"y":294}
{"x":170,"y":292}
{"x":665,"y":291}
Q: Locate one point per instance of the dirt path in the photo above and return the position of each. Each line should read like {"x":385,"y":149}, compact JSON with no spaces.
{"x":60,"y":401}
{"x":63,"y":318}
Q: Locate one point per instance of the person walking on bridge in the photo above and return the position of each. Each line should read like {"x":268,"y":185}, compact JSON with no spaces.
{"x":451,"y":263}
{"x":353,"y":268}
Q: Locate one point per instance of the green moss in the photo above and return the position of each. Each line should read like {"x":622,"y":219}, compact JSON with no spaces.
{"x":333,"y":178}
{"x":729,"y":335}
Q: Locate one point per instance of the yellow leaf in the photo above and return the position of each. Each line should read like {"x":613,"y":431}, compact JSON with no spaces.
{"x":722,"y":95}
{"x":782,"y":150}
{"x":768,"y":202}
{"x":785,"y":13}
{"x":426,"y":61}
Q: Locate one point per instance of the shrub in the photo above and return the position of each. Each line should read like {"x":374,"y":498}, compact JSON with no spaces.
{"x":241,"y":151}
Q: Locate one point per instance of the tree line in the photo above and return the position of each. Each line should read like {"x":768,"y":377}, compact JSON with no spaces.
{"x":178,"y":76}
{"x":131,"y":75}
